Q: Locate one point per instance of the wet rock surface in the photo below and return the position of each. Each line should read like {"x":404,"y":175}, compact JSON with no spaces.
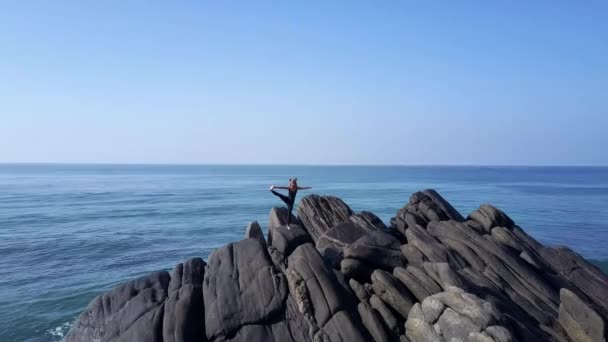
{"x":337,"y":275}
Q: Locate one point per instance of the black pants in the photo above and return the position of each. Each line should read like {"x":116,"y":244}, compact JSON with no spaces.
{"x":289,"y":200}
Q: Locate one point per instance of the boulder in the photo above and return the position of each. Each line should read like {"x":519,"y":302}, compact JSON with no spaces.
{"x":428,"y":206}
{"x":241,"y":287}
{"x":418,"y":330}
{"x":184,"y":316}
{"x":376,"y":249}
{"x":489,"y":217}
{"x":321,"y":213}
{"x":321,"y":297}
{"x":132,"y":311}
{"x":331,"y":243}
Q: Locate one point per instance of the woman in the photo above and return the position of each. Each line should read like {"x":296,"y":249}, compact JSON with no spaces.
{"x":292,"y":190}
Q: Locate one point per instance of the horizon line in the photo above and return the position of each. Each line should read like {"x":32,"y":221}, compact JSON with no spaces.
{"x":294,"y":164}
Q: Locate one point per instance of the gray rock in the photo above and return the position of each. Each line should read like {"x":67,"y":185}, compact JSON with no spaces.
{"x":331,"y":243}
{"x":580,"y":321}
{"x":241,"y":287}
{"x":320,"y":295}
{"x":489,"y":217}
{"x":184,"y":316}
{"x":417,"y":329}
{"x":419,"y":287}
{"x":429,"y":205}
{"x":456,"y":327}
{"x":587,"y":277}
{"x":376,"y":249}
{"x":278,"y":218}
{"x":388,"y":318}
{"x":254,"y":231}
{"x":412,"y":255}
{"x":499,"y":333}
{"x":368,"y":220}
{"x":132,"y":311}
{"x":341,"y":328}
{"x":321,"y":213}
{"x":360,"y":291}
{"x":443,"y":275}
{"x":372,"y":322}
{"x":415,"y":312}
{"x":286,"y":240}
{"x":392,"y":292}
{"x":432,"y":309}
{"x":480,"y":312}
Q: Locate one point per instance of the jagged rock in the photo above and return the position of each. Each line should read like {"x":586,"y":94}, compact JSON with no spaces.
{"x":588,"y":278}
{"x":241,"y":287}
{"x":510,"y":274}
{"x":341,"y":328}
{"x":353,"y":268}
{"x":254,"y":231}
{"x":412,"y":255}
{"x":184,"y":315}
{"x":580,"y":321}
{"x":360,"y":291}
{"x":443,"y":275}
{"x":417,"y":281}
{"x":489,"y":217}
{"x":286,"y":240}
{"x":388,"y":318}
{"x":430,"y":206}
{"x":480,"y":312}
{"x":418,"y":330}
{"x":368,"y":220}
{"x":278,"y":218}
{"x":376,"y":249}
{"x":320,"y":296}
{"x":132,"y":311}
{"x":331,"y":243}
{"x":320,"y":213}
{"x":432,"y":309}
{"x":372,"y":322}
{"x":392,"y":292}
{"x":456,"y":327}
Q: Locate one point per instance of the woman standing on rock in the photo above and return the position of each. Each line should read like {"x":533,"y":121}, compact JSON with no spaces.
{"x":292,"y":190}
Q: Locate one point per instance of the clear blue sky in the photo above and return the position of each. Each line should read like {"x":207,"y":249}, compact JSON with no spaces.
{"x":402,"y":82}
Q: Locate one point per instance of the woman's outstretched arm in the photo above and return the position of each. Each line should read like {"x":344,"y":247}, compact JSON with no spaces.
{"x":304,"y":187}
{"x":281,"y":187}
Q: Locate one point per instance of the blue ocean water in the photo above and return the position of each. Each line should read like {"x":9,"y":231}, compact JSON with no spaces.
{"x":70,"y":232}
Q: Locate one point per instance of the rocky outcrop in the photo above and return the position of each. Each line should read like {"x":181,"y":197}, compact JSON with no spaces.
{"x":337,"y":275}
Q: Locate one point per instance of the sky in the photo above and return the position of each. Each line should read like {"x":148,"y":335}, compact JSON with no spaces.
{"x":304,"y":82}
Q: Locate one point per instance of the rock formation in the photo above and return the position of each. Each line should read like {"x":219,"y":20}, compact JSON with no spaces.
{"x":337,"y":275}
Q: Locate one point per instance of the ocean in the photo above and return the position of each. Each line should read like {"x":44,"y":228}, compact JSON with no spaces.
{"x":71,"y":232}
